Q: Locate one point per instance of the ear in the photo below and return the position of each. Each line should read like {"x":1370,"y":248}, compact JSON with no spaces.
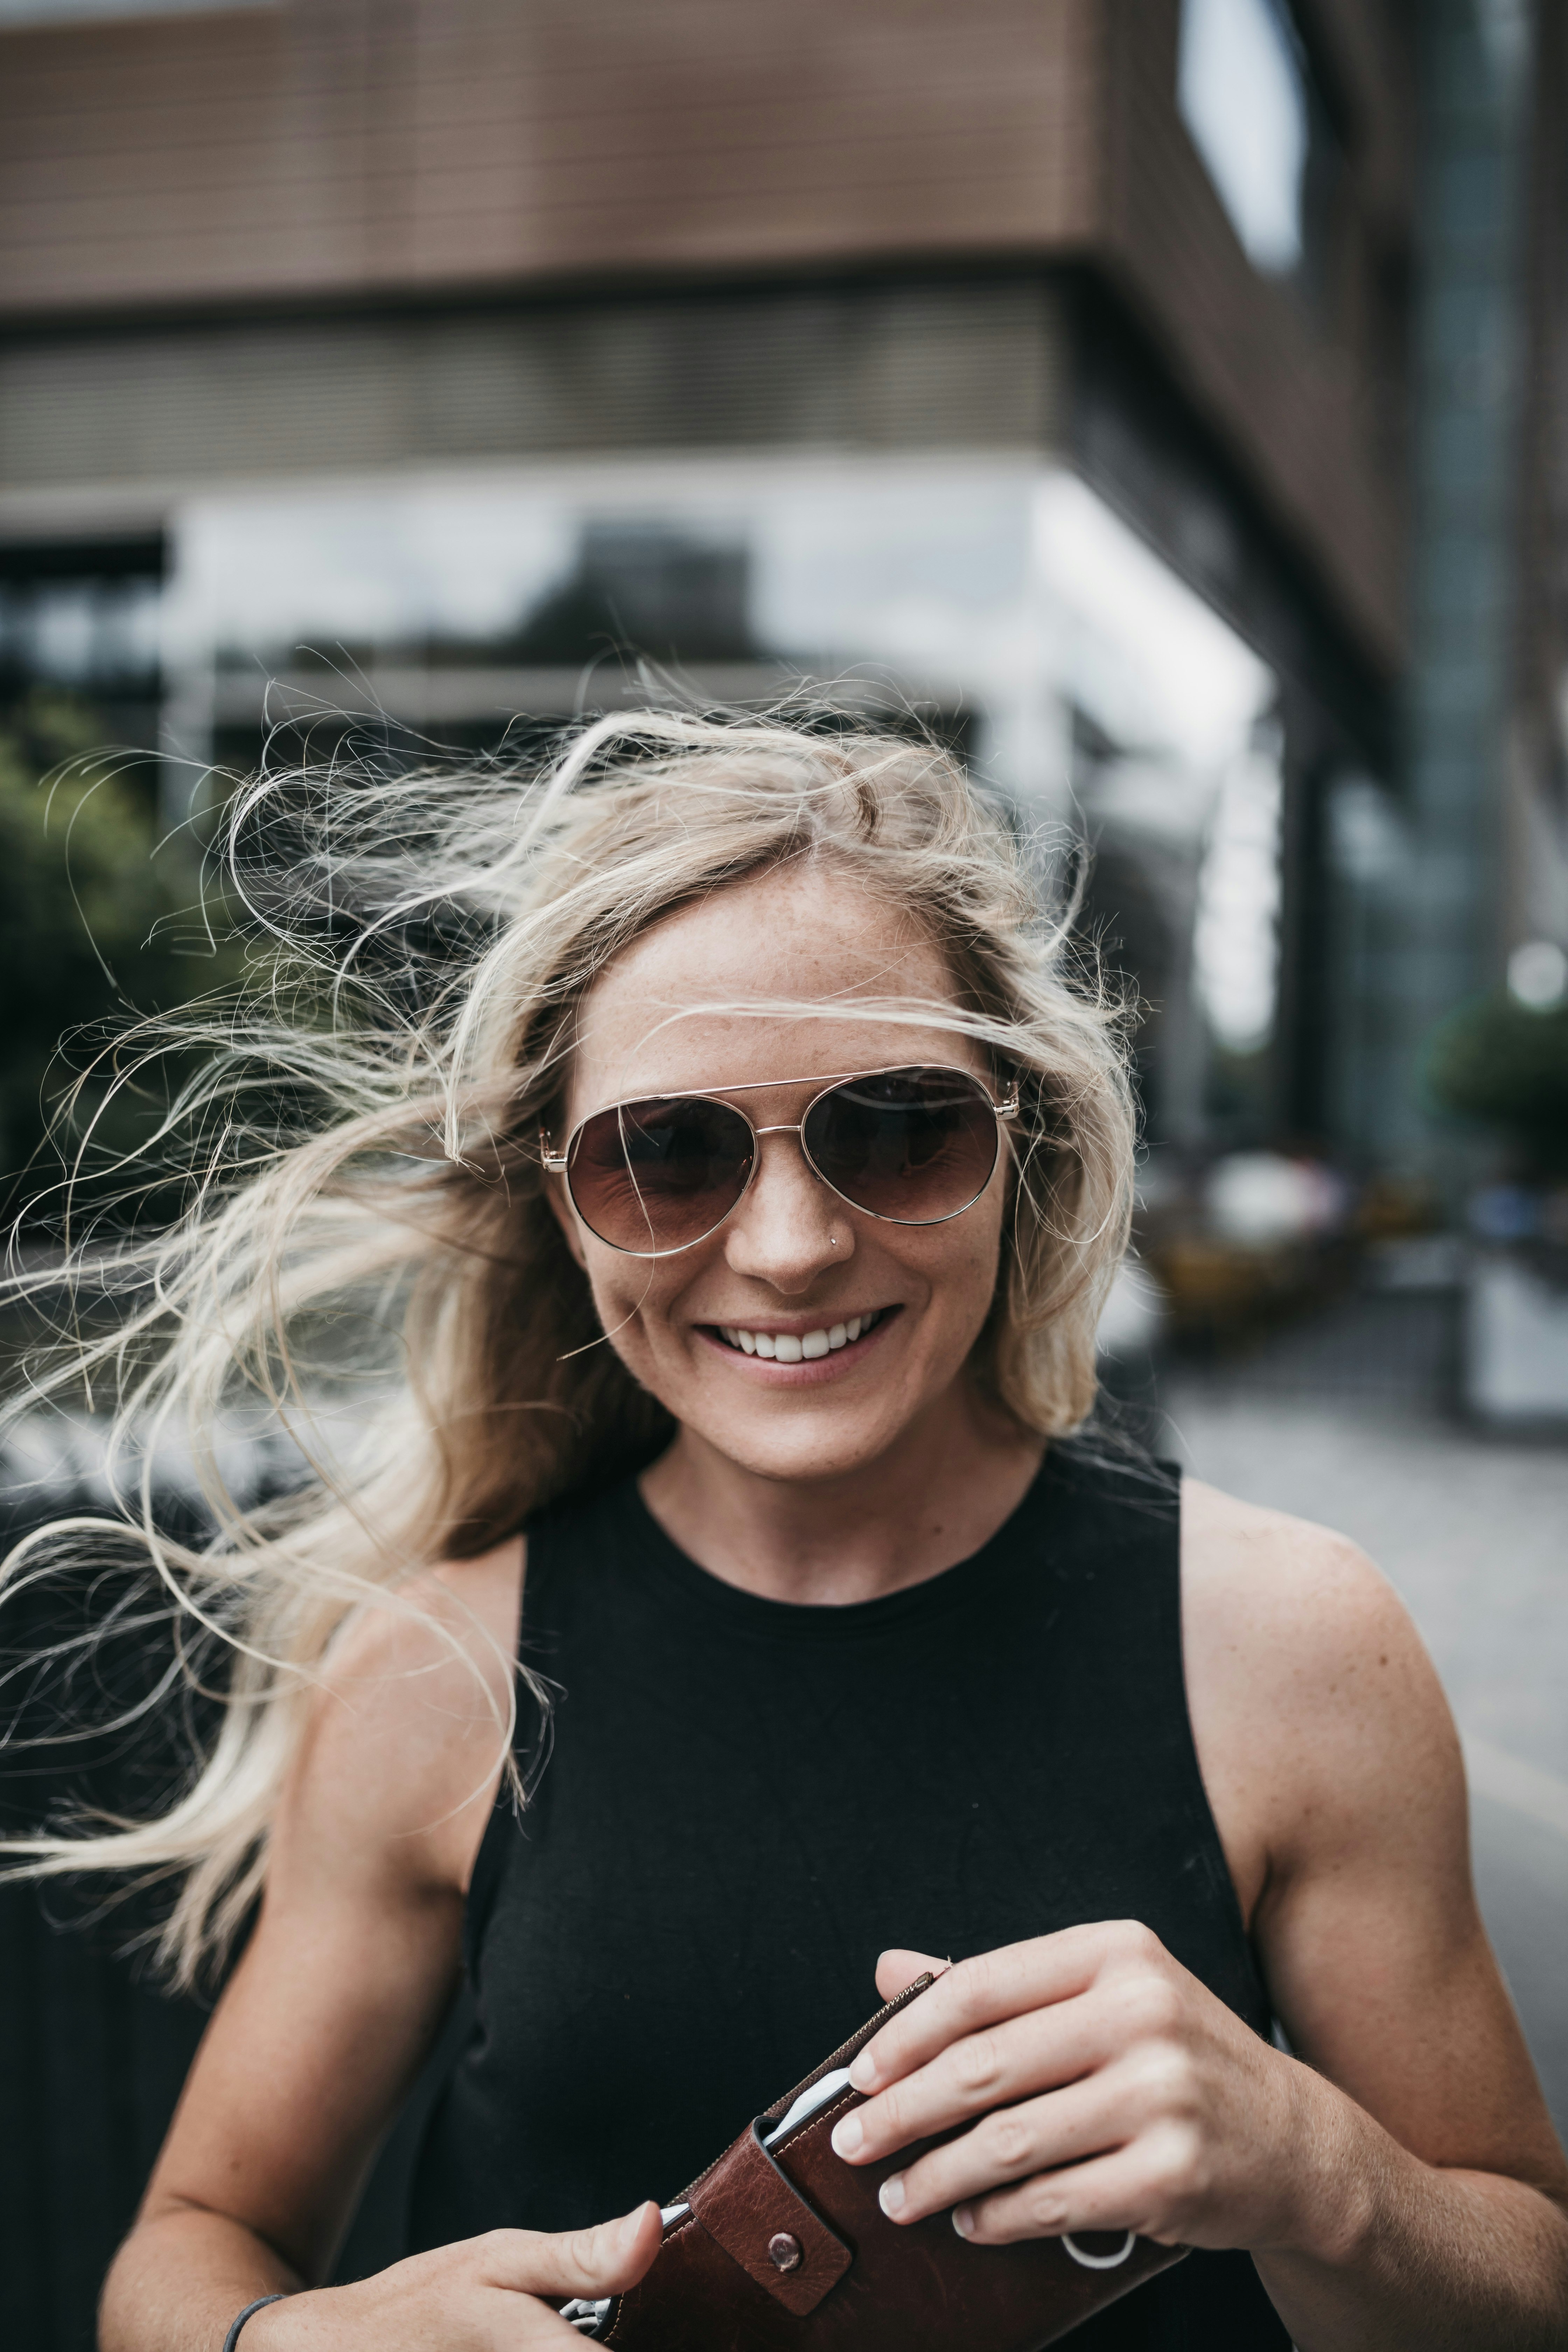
{"x":562,"y":1211}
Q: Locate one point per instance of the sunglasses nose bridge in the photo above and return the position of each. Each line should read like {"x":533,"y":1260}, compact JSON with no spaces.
{"x":798,"y":1128}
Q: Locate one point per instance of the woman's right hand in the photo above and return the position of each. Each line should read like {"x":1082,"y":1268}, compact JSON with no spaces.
{"x":482,"y":2294}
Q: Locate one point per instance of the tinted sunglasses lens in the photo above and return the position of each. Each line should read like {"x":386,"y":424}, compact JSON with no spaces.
{"x":913,"y":1145}
{"x":658,"y":1175}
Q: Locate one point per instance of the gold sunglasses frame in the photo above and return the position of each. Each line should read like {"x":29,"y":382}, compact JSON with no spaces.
{"x":559,"y":1163}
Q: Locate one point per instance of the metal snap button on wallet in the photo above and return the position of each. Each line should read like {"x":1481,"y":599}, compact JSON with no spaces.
{"x":782,"y":2244}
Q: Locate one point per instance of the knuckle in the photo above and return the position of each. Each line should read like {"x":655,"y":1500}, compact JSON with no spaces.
{"x":1131,"y":1940}
{"x":498,"y":2258}
{"x":1155,"y":2007}
{"x":1008,"y":2142}
{"x":578,"y":2249}
{"x":1045,"y":2208}
{"x":1166,"y":2080}
{"x":1180,"y":2168}
{"x":976,"y":2063}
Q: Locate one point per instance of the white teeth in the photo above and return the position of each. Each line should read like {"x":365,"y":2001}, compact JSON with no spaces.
{"x":789,"y":1349}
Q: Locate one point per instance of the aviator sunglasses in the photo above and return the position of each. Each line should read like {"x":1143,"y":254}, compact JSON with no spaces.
{"x":655,"y":1176}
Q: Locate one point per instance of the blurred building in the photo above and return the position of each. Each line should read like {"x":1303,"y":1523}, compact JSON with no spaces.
{"x":1167,"y":400}
{"x":1038,"y":363}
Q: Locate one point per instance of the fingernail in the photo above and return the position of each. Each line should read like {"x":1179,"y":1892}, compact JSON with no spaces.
{"x":863,"y":2073}
{"x":847,"y":2136}
{"x":963,"y":2220}
{"x":890,"y":2195}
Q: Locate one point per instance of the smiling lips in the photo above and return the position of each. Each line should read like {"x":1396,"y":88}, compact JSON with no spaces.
{"x":803,"y":1347}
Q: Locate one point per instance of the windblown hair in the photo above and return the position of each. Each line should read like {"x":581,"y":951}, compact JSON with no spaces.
{"x":367,"y":1256}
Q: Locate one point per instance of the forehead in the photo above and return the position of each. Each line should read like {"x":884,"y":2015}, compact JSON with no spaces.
{"x":687,"y":1004}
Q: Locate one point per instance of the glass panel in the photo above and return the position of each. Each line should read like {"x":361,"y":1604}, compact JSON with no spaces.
{"x":94,"y":633}
{"x":998,"y":597}
{"x":1243,"y":95}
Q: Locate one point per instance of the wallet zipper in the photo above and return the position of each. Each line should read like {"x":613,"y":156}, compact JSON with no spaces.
{"x":839,"y":2057}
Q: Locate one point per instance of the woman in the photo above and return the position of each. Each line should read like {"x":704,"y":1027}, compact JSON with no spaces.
{"x":722,"y":1616}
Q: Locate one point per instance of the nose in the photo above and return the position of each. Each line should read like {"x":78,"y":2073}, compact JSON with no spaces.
{"x":790,"y":1226}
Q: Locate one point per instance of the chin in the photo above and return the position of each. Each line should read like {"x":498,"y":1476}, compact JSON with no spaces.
{"x":816,"y":1469}
{"x":813,"y":1449}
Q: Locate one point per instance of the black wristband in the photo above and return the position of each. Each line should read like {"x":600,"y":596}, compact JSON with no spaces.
{"x":232,"y":2338}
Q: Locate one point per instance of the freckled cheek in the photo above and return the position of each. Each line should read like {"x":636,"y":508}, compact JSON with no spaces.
{"x":963,"y":1280}
{"x":637,"y":1315}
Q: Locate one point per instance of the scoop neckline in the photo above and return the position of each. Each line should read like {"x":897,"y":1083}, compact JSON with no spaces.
{"x":822,"y":1622}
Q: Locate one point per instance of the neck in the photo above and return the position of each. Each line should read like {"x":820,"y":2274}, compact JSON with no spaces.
{"x":938,"y":1493}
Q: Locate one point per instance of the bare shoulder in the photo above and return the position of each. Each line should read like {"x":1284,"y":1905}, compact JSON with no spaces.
{"x":1316,"y":1710}
{"x":1251,"y":1575}
{"x":408,"y":1726}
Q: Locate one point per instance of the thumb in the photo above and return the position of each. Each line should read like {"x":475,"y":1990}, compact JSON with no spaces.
{"x":604,"y":2260}
{"x":896,"y":1970}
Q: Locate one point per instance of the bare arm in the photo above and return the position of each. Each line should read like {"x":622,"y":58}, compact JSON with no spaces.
{"x":1440,"y":2189}
{"x":1398,"y":2183}
{"x":329,"y":2016}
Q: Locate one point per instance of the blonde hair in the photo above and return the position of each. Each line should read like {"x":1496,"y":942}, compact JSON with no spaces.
{"x":367,"y":1256}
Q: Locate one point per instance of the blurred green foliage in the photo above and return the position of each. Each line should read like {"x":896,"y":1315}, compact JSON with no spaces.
{"x":1506,"y":1064}
{"x":97,"y":924}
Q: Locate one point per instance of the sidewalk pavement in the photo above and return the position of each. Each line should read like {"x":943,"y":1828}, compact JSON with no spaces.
{"x":1346,"y":1419}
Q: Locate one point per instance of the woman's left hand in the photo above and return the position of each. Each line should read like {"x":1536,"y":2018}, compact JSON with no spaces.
{"x":1112,"y":2091}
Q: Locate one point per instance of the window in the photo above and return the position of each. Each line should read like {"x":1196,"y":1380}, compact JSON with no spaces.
{"x":83,"y":616}
{"x":999,"y":596}
{"x":1243,"y":92}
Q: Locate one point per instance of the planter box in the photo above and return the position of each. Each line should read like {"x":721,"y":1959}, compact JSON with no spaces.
{"x":1516,"y":1342}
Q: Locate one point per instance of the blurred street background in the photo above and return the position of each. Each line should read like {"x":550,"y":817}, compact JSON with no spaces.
{"x":1164,"y":401}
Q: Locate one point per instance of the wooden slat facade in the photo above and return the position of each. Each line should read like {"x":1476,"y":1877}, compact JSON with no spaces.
{"x":344,"y":151}
{"x":368,"y":143}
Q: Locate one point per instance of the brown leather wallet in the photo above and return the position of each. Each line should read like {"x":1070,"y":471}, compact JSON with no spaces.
{"x":782,"y":2244}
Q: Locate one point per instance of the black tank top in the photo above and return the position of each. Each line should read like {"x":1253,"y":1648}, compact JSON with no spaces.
{"x":741,"y":1803}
